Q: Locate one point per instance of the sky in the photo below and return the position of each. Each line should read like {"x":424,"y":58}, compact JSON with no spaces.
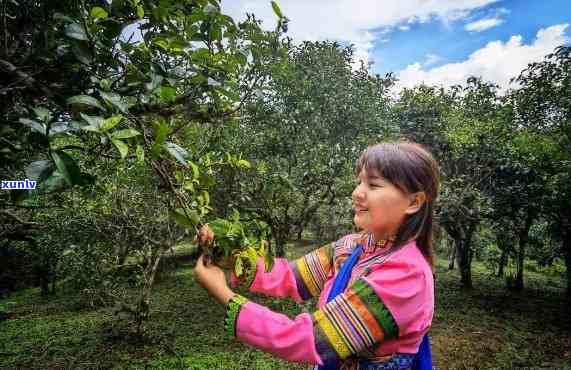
{"x":439,"y":42}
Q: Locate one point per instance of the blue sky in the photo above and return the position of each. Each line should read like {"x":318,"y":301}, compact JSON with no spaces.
{"x":451,"y":42}
{"x":438,"y":42}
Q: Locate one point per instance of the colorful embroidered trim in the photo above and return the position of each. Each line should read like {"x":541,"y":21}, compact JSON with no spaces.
{"x":352,"y":322}
{"x":232,"y":311}
{"x":311,"y":271}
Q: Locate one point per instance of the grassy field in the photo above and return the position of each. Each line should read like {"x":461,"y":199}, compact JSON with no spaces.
{"x":485,"y":328}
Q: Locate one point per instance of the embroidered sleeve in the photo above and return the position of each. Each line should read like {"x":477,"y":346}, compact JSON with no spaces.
{"x":232,"y":311}
{"x":312,"y":271}
{"x":299,"y":279}
{"x":354,"y":321}
{"x":393,"y":301}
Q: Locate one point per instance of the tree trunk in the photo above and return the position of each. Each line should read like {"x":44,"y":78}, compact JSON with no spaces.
{"x":280,"y":234}
{"x":299,"y":232}
{"x":518,"y":285}
{"x":452,"y":252}
{"x":44,"y":285}
{"x":503,"y":263}
{"x":523,"y":240}
{"x":464,"y":257}
{"x":54,"y":279}
{"x":280,"y":247}
{"x":462,"y":234}
{"x":567,"y":254}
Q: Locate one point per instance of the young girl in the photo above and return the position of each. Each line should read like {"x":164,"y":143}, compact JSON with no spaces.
{"x":375,"y":289}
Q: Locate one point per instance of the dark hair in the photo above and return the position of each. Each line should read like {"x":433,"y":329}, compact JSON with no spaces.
{"x":411,"y":168}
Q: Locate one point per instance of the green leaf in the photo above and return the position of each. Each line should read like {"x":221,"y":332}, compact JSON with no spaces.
{"x":206,"y":197}
{"x":67,"y":167}
{"x":252,"y":256}
{"x":62,"y":17}
{"x":268,"y":261}
{"x":125,"y":134}
{"x":39,"y":170}
{"x":244,"y":163}
{"x":177,"y":152}
{"x":76,"y":31}
{"x":160,"y":137}
{"x":121,"y":147}
{"x":167,"y":93}
{"x":238,"y":267}
{"x":162,"y":43}
{"x":190,"y":221}
{"x":277,"y":9}
{"x":85,"y":100}
{"x":43,"y":114}
{"x":82,"y":54}
{"x":156,"y":80}
{"x":34,"y":125}
{"x":110,"y":122}
{"x":140,"y":154}
{"x":116,"y":101}
{"x":99,"y":13}
{"x":209,"y":8}
{"x":61,"y":128}
{"x":53,"y":183}
{"x":140,"y":12}
{"x":220,"y":227}
{"x":94,"y":122}
{"x":195,"y":170}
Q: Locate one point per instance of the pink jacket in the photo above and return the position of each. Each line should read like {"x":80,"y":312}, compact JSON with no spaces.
{"x":386,"y":309}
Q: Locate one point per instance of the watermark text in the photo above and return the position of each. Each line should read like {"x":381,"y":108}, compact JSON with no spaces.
{"x":18,"y":184}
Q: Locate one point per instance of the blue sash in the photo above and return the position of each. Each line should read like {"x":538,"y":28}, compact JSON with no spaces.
{"x":339,"y":286}
{"x":423,"y":359}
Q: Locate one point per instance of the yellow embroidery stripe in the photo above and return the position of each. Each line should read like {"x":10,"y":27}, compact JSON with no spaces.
{"x":307,"y":276}
{"x":333,"y":336}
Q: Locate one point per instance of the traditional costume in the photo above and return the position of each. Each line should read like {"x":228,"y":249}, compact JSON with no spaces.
{"x":377,"y":322}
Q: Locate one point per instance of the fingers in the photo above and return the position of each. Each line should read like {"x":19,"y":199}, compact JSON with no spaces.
{"x":203,"y":260}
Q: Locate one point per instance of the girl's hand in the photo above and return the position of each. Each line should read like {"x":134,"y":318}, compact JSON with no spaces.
{"x":205,"y":237}
{"x":212,"y":279}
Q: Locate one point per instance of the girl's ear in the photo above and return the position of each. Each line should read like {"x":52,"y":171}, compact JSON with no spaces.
{"x":416,"y":202}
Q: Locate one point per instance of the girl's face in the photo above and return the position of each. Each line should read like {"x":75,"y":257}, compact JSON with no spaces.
{"x":380,"y":207}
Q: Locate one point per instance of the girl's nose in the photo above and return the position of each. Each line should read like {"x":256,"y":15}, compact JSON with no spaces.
{"x":358,"y":194}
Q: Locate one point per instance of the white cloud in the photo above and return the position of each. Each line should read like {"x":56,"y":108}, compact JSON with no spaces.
{"x":483,"y":24}
{"x":404,"y":28}
{"x":431,"y":59}
{"x":348,"y":20}
{"x":502,"y":11}
{"x":498,"y":61}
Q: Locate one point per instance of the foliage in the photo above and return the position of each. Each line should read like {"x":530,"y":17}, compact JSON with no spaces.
{"x":302,"y":131}
{"x":542,"y":104}
{"x":238,"y":244}
{"x":136,"y":82}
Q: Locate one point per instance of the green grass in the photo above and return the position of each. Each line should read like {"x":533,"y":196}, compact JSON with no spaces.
{"x":484,"y":328}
